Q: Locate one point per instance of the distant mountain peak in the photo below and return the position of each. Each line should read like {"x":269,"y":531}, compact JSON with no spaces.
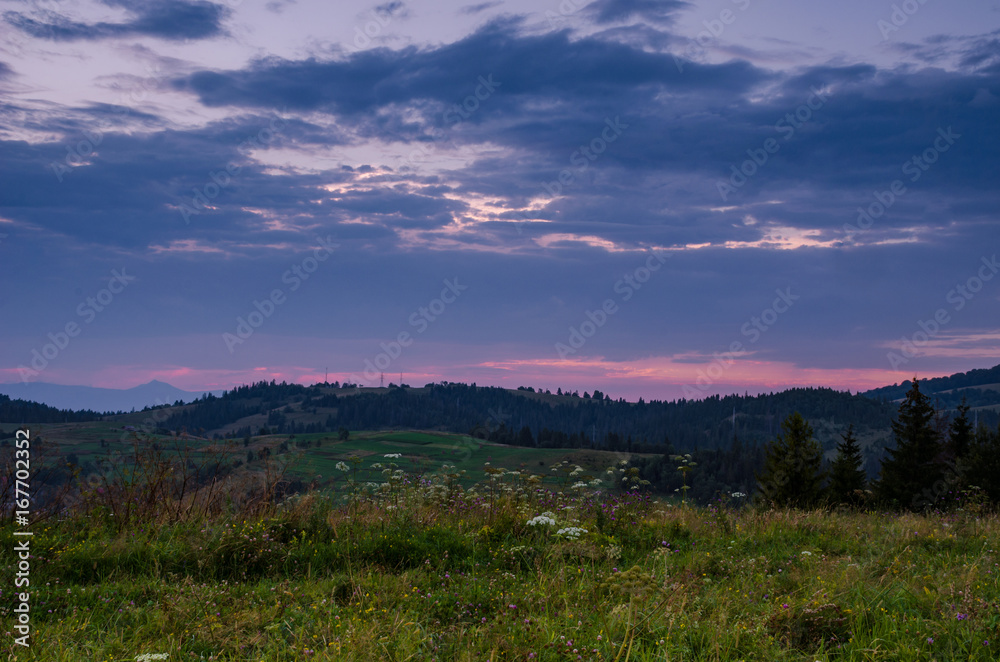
{"x":77,"y":398}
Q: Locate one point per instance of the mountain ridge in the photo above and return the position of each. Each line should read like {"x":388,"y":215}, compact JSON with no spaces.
{"x":98,"y":399}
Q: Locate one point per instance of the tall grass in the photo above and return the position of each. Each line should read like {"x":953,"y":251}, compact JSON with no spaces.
{"x":422,"y":569}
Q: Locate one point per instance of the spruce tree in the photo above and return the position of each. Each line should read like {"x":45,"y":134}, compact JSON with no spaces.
{"x":792,"y":475}
{"x":984,"y":463}
{"x":847,"y":476}
{"x":911,"y":469}
{"x":960,"y":432}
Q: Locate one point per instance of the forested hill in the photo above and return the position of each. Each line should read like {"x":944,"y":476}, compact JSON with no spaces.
{"x":980,"y":387}
{"x":526,"y":417}
{"x":23,"y":411}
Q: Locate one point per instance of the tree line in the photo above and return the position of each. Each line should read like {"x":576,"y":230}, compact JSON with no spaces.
{"x":934,"y":462}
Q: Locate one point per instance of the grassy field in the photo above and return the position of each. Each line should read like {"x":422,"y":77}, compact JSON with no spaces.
{"x":511,"y":569}
{"x":312,"y":458}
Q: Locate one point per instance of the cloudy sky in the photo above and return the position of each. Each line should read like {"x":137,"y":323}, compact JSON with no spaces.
{"x":654,"y":198}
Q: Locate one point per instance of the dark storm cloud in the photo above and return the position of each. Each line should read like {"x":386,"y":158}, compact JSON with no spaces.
{"x":128,"y":190}
{"x":659,"y":11}
{"x":394,"y":8}
{"x":656,"y":184}
{"x":528,"y":68}
{"x":554,"y":93}
{"x":481,"y":7}
{"x":166,"y":19}
{"x":970,"y":52}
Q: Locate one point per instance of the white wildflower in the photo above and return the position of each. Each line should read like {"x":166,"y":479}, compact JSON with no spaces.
{"x":571,"y":532}
{"x":541,"y":519}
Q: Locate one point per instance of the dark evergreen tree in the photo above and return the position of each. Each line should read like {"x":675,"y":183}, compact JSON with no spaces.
{"x":983,"y":463}
{"x":847,"y":474}
{"x":792,"y":471}
{"x":913,"y":467}
{"x":960,"y":433}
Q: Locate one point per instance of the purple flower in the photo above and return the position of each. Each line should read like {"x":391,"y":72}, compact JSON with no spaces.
{"x":961,"y":616}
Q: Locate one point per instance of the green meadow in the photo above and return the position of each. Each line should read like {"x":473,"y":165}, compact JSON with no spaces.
{"x":407,"y":558}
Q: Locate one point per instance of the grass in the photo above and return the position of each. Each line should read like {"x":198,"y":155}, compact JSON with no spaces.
{"x":425,"y":569}
{"x":318,"y":454}
{"x":314,"y":456}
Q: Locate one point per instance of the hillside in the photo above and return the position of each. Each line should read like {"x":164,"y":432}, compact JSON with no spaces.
{"x":980,"y":388}
{"x":526,"y":418}
{"x":727,"y":435}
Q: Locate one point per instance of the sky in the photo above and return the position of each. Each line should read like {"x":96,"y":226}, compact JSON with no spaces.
{"x":659,"y":199}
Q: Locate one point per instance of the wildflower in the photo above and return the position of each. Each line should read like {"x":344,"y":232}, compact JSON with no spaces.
{"x":571,"y":532}
{"x":541,"y":519}
{"x":961,"y":616}
{"x":393,"y":455}
{"x":342,"y":466}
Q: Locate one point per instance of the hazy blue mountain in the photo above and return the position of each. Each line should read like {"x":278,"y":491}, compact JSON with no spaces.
{"x":99,"y":399}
